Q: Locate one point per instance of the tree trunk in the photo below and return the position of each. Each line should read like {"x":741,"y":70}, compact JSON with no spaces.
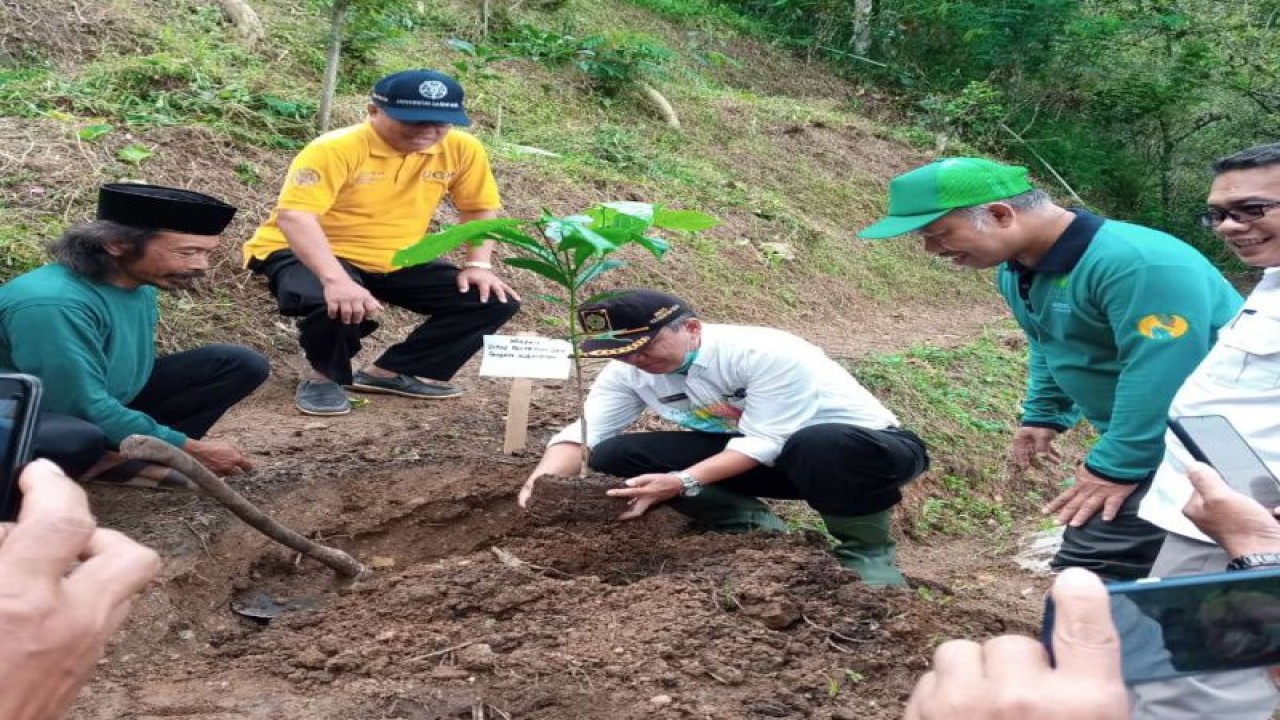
{"x":863,"y":13}
{"x":245,"y":20}
{"x":661,"y":104}
{"x":330,"y":86}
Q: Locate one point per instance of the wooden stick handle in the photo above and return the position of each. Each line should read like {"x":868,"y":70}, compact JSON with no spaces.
{"x":143,"y":447}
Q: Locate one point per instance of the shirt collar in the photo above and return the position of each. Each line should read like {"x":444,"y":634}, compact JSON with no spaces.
{"x":706,"y":349}
{"x":1066,"y":251}
{"x":380,"y":148}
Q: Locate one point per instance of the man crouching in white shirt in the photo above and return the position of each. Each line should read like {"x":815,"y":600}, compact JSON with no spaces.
{"x":771,"y":416}
{"x":1240,"y":379}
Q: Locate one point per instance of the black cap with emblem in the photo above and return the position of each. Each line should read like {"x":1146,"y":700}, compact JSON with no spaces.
{"x":421,"y":96}
{"x":163,"y":208}
{"x":627,"y":320}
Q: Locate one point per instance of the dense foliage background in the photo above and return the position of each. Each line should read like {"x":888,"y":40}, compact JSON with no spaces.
{"x":1127,"y":100}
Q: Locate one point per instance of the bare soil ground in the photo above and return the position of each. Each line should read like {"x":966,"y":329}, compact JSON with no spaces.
{"x":477,"y":609}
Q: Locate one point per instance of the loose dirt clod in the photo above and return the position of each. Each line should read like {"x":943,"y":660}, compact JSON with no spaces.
{"x":561,"y":497}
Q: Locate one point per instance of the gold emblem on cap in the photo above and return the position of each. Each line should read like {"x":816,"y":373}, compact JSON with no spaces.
{"x":304,"y":177}
{"x":596,"y":321}
{"x":662,"y":313}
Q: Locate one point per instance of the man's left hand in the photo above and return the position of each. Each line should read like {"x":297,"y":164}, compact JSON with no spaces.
{"x":646,"y":491}
{"x":486,"y":283}
{"x":1090,"y":493}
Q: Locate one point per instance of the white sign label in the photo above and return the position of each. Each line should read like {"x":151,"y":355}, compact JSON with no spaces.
{"x":526,"y":357}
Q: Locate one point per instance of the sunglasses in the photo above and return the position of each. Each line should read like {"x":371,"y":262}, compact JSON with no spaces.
{"x":1213,"y":217}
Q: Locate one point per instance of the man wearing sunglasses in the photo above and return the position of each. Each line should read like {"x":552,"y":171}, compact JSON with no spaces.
{"x":1239,"y":379}
{"x":352,"y":198}
{"x":1116,"y":317}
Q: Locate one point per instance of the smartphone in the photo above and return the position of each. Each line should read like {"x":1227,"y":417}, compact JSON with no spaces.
{"x":1192,"y":624}
{"x":19,"y":412}
{"x":1214,"y":440}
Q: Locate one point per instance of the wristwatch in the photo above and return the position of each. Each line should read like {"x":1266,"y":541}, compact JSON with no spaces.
{"x":691,"y":485}
{"x":1255,"y":560}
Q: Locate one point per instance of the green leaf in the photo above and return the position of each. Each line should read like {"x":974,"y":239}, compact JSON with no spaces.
{"x":526,"y":244}
{"x":605,"y":218}
{"x":546,"y":270}
{"x":685,"y":220}
{"x":436,"y":244}
{"x":134,"y":154}
{"x":554,"y":300}
{"x":557,"y":228}
{"x":657,"y":246}
{"x":89,"y":133}
{"x":584,"y":242}
{"x":595,"y":270}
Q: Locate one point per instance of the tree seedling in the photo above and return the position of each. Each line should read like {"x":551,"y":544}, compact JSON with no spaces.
{"x":571,"y":252}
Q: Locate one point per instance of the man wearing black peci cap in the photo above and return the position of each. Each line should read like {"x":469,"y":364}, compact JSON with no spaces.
{"x":771,"y":415}
{"x":352,"y":198}
{"x":85,"y":325}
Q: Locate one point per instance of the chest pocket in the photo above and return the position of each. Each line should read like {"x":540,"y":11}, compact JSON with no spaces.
{"x":1248,"y":353}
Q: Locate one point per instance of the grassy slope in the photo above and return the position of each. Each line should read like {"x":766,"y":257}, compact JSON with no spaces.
{"x":771,"y":145}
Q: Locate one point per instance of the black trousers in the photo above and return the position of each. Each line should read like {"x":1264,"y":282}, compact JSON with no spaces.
{"x":1122,"y":549}
{"x":838,"y":469}
{"x":187,"y":391}
{"x":452,"y":333}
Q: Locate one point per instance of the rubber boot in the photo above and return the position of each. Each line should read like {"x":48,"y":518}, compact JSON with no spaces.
{"x":728,"y":512}
{"x":865,"y":545}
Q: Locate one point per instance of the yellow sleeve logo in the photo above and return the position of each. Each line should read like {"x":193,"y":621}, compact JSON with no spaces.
{"x":305,"y":177}
{"x":1163,"y":327}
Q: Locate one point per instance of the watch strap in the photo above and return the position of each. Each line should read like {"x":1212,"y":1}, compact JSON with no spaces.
{"x":690,"y":483}
{"x":1254,"y":560}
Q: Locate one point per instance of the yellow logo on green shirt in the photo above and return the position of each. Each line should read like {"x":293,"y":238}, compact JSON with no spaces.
{"x":1163,"y":327}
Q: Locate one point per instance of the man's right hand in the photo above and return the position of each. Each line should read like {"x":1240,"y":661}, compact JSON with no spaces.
{"x":350,"y":302}
{"x":1237,"y":522}
{"x":222,"y":458}
{"x":1011,"y":678}
{"x":1033,"y":444}
{"x":67,"y":586}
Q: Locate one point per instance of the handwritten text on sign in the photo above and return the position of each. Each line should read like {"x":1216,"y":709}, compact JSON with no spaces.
{"x":525,"y":356}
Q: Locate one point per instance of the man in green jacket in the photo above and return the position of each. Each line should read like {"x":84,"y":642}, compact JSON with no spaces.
{"x":1116,"y":316}
{"x":85,"y":325}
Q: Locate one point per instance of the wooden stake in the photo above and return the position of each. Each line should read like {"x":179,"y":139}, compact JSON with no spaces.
{"x":517,"y":434}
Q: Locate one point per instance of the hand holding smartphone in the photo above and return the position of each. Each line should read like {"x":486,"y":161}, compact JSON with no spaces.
{"x":19,"y":410}
{"x":1192,"y":624}
{"x":1212,"y":439}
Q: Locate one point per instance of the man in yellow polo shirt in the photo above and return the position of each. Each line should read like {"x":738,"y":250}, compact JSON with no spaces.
{"x":352,"y":198}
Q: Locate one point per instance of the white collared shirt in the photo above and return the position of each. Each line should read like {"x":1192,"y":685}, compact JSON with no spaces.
{"x":763,"y":383}
{"x":1239,"y":379}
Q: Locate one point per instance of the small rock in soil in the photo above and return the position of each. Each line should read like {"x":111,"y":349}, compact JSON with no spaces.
{"x":476,"y":657}
{"x":777,"y":615}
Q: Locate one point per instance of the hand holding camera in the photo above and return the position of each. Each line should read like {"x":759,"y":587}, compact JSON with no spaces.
{"x":67,"y":587}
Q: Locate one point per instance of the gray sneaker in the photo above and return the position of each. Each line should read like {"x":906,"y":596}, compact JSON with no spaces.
{"x":322,"y":397}
{"x":405,"y":385}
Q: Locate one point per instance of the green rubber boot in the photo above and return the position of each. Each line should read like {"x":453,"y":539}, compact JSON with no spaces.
{"x":865,"y":545}
{"x":720,"y":510}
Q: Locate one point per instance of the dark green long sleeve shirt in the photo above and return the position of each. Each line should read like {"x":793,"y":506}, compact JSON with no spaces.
{"x":92,"y":345}
{"x":1117,"y":316}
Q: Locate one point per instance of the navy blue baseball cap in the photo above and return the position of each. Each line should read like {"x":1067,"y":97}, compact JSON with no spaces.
{"x":421,"y":96}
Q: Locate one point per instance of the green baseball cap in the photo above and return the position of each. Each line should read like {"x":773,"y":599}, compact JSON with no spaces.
{"x":925,"y":194}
